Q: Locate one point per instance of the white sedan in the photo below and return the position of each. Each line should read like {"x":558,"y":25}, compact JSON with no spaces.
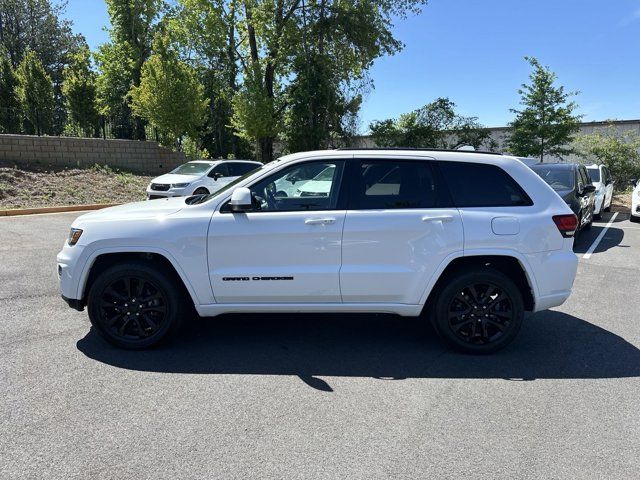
{"x":635,"y":202}
{"x":199,"y":177}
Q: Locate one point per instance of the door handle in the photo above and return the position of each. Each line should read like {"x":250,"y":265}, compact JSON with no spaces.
{"x":437,"y":218}
{"x":319,"y":221}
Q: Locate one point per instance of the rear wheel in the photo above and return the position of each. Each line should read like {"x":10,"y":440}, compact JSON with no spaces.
{"x":479,"y":311}
{"x":135,"y":305}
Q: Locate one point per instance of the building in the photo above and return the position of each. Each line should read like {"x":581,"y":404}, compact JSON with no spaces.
{"x":499,"y":135}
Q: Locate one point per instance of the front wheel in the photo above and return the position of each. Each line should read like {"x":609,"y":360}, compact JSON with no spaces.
{"x":479,"y":311}
{"x":135,"y":305}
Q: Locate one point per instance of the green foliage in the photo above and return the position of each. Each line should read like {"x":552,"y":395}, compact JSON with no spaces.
{"x":298,"y":60}
{"x":9,"y":103}
{"x":192,"y":150}
{"x":170,"y":97}
{"x":133,"y":26}
{"x":546,"y":124}
{"x":619,"y":151}
{"x":35,"y":93}
{"x":79,"y":89}
{"x":39,"y":26}
{"x":436,"y":125}
{"x":205,"y":31}
{"x":112,"y":87}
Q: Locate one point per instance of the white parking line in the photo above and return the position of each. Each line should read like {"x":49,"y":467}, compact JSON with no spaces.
{"x":595,"y":243}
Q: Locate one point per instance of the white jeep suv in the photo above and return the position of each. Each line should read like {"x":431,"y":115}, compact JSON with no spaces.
{"x":200,"y":177}
{"x":468,"y":240}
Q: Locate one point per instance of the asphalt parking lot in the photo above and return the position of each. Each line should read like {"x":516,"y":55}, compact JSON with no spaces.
{"x":319,"y":396}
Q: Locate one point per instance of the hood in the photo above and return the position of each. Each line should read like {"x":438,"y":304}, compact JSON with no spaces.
{"x":175,"y":178}
{"x":137,"y":210}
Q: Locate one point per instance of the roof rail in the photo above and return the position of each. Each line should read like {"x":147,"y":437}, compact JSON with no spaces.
{"x":419,"y":150}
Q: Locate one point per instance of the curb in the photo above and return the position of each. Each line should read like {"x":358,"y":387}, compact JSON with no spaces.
{"x":67,"y":208}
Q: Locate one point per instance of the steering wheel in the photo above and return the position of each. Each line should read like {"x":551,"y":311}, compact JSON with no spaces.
{"x":271,"y":199}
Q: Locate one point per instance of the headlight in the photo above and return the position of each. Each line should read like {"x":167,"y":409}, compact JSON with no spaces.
{"x":74,"y":236}
{"x":179,"y":185}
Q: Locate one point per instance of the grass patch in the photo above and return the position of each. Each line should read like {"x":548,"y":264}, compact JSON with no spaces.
{"x":22,"y":187}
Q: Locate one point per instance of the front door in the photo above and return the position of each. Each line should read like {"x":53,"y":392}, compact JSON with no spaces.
{"x":287,"y":250}
{"x":398,"y":229}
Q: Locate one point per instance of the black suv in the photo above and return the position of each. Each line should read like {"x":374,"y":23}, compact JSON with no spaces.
{"x":572,"y":182}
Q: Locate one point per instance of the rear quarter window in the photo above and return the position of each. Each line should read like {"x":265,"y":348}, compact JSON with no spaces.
{"x":482,"y":185}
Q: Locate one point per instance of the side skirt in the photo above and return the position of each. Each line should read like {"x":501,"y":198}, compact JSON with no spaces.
{"x":397,"y":308}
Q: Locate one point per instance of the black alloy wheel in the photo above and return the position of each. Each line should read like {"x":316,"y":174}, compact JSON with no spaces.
{"x":479,"y":311}
{"x":136,"y":305}
{"x":132,"y":308}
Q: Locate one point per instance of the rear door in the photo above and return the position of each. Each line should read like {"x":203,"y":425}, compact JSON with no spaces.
{"x":399,"y":228}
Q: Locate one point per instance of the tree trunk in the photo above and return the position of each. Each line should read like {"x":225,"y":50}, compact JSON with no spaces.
{"x":265,"y":149}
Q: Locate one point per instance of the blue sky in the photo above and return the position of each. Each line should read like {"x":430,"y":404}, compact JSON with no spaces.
{"x":472,"y":52}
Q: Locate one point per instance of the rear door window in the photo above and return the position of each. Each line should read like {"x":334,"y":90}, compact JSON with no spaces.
{"x":394,"y":184}
{"x":482,"y":185}
{"x":239,"y":168}
{"x":221,"y":169}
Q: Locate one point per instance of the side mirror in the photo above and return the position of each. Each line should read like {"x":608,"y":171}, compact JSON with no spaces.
{"x":633,"y":182}
{"x":241,"y":200}
{"x":217,"y":175}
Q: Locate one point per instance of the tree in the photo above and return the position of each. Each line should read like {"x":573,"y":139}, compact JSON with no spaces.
{"x":120,"y":61}
{"x":38,"y":26}
{"x":170,"y":97}
{"x":9,"y":103}
{"x":436,"y":125}
{"x":79,"y":89}
{"x":112,"y":88}
{"x":35,"y":93}
{"x":546,"y":124}
{"x":205,"y":32}
{"x":619,"y":151}
{"x":350,"y":35}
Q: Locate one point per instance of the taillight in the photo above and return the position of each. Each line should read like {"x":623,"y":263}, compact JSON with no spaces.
{"x":567,"y":224}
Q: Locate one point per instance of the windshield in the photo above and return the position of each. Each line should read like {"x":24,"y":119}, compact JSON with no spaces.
{"x":594,"y":174}
{"x":557,"y":178}
{"x":192,"y":168}
{"x":326,"y":175}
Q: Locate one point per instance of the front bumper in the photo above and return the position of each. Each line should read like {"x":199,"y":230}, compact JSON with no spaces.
{"x":70,"y":262}
{"x":74,"y":303}
{"x":172,"y":192}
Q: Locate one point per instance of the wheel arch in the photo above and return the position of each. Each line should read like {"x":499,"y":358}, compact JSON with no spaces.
{"x":103,"y":259}
{"x":505,"y":263}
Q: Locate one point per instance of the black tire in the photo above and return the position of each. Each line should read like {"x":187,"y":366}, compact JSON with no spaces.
{"x":634,"y":218}
{"x":135,"y":305}
{"x":201,"y":191}
{"x":497,"y":311}
{"x":589,"y":225}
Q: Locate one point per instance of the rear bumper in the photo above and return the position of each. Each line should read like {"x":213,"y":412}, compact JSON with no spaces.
{"x":554,"y":273}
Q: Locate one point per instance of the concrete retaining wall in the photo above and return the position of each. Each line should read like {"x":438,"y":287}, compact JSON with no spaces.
{"x":142,"y":157}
